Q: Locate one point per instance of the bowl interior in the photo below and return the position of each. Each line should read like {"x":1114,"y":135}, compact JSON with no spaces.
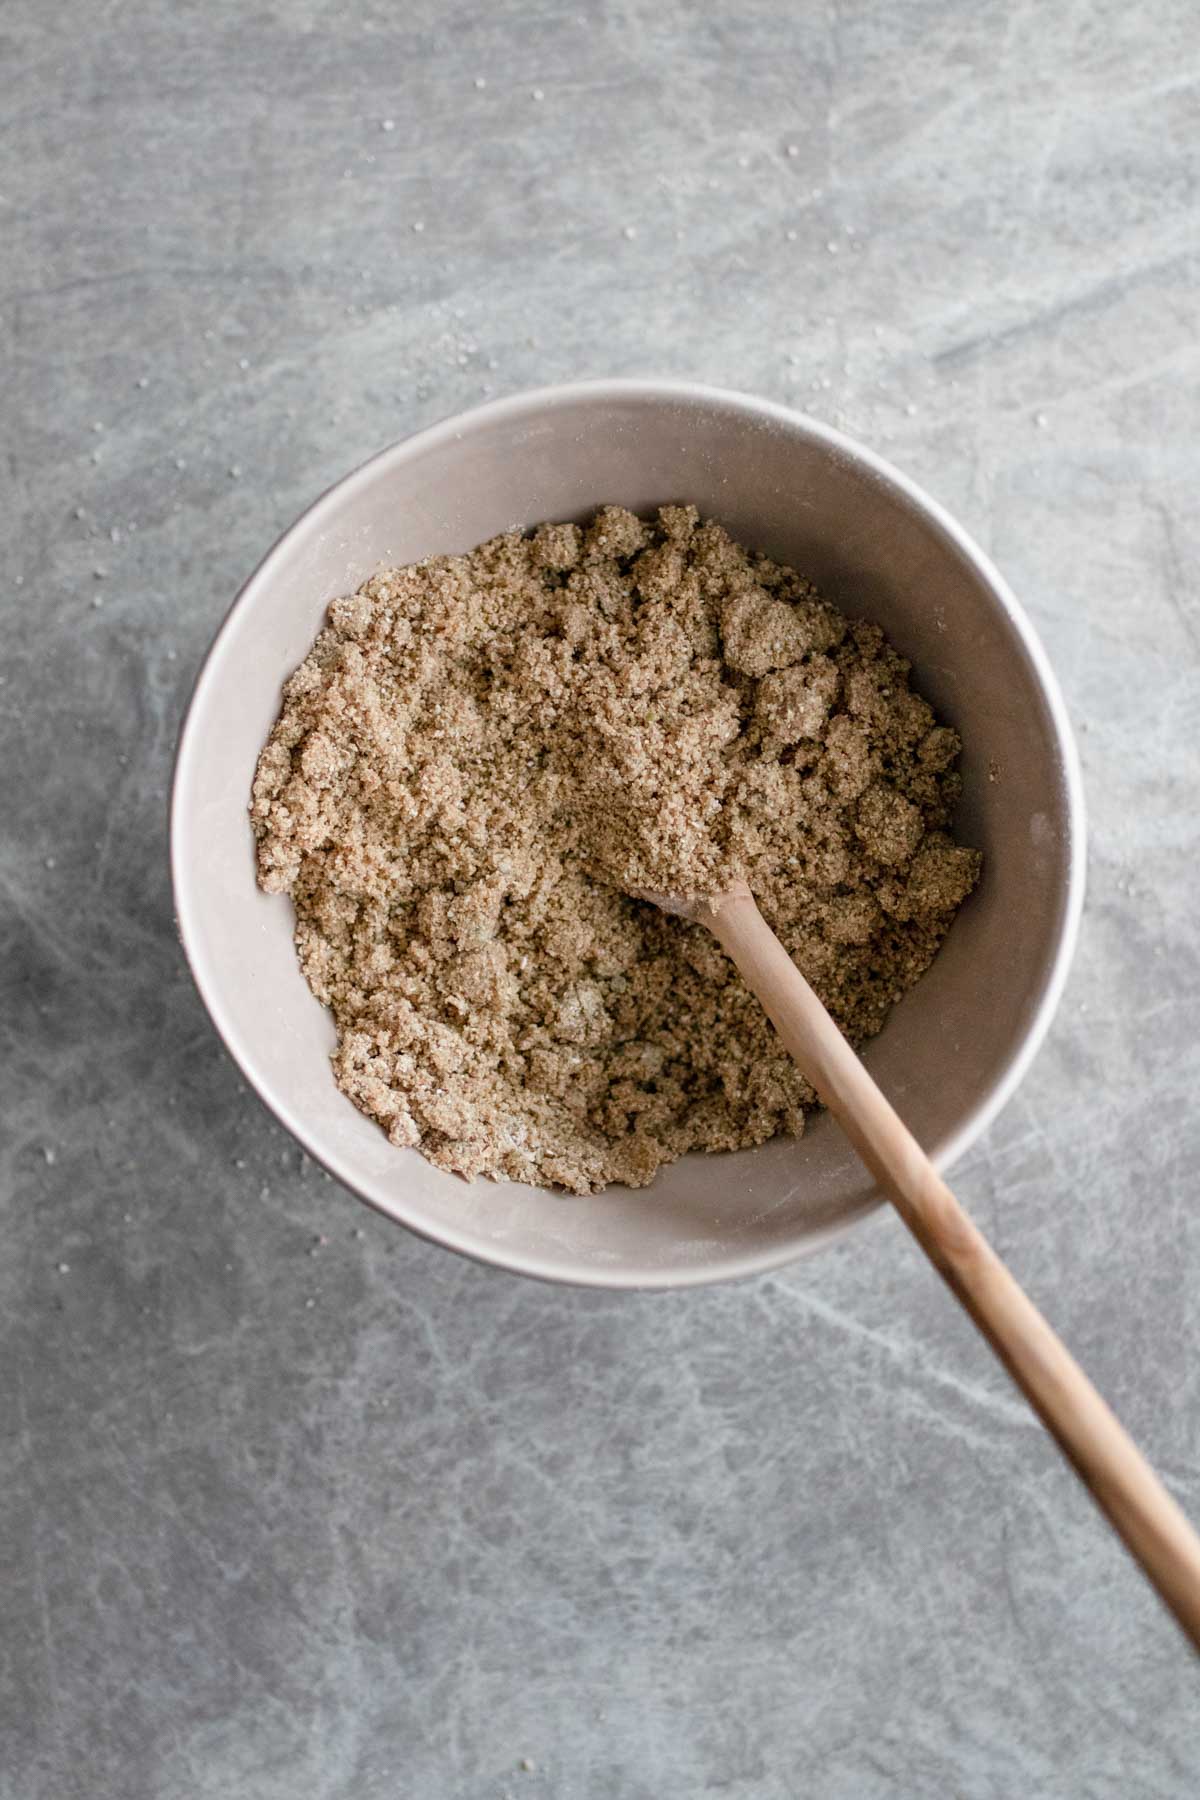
{"x":955,"y":1046}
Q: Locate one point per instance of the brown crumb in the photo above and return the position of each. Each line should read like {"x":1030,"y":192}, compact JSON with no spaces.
{"x":481,"y":755}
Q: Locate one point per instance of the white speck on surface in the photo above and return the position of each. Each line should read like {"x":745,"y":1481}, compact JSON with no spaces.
{"x":387,"y":125}
{"x":97,"y":600}
{"x":537,"y":94}
{"x":481,"y":81}
{"x":418,"y":225}
{"x":790,"y":236}
{"x":1041,"y":420}
{"x":243,"y":362}
{"x":97,"y":425}
{"x":64,"y":1268}
{"x":235,"y":470}
{"x":143,"y":381}
{"x":793,"y":149}
{"x":911,"y":409}
{"x":629,"y":231}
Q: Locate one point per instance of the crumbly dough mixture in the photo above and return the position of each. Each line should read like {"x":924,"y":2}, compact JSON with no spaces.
{"x":482,"y":754}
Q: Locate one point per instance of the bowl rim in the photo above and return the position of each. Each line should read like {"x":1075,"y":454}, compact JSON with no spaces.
{"x":511,"y":408}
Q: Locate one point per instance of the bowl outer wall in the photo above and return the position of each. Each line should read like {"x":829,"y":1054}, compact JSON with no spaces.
{"x":956,"y":1046}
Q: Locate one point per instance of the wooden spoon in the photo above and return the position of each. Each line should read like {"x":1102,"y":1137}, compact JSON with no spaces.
{"x":1104,"y":1456}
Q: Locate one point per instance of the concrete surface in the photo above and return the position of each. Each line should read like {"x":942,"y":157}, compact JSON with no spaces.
{"x":289,"y":1520}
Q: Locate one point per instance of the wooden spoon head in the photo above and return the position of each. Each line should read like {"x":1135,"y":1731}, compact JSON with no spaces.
{"x":698,"y":908}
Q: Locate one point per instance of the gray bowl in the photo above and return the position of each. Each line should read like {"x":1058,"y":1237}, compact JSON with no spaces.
{"x":954,"y":1049}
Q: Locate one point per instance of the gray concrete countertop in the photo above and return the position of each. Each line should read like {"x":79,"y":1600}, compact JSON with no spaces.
{"x":294,"y":1506}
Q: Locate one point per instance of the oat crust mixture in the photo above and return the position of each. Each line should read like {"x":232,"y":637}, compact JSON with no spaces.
{"x":482,"y":754}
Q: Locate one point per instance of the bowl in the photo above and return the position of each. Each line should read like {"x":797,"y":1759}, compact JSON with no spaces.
{"x":955,"y":1047}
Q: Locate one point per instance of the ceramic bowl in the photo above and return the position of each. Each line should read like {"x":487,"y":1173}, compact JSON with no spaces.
{"x":953,"y":1050}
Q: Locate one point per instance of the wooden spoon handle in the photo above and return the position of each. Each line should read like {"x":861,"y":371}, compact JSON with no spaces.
{"x":1102,"y":1452}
